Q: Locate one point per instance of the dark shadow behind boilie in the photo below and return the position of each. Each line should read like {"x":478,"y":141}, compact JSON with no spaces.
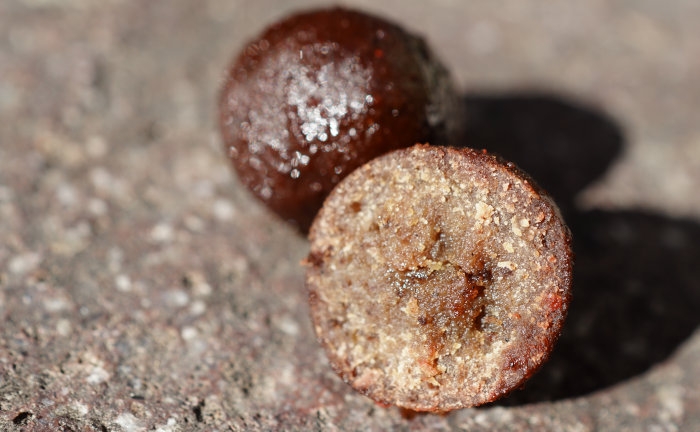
{"x":636,"y":280}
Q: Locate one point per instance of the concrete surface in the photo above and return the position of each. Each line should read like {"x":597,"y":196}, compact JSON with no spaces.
{"x":142,"y":289}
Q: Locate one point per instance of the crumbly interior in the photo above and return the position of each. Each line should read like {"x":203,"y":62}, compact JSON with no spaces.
{"x":438,"y":278}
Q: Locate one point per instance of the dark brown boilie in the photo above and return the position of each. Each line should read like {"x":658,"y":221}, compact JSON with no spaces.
{"x":438,"y":278}
{"x":319,"y":94}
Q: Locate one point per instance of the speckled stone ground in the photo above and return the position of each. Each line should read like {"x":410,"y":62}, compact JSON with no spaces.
{"x":142,"y":289}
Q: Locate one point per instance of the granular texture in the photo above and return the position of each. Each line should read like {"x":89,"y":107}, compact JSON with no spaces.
{"x":319,"y":94}
{"x":438,"y":278}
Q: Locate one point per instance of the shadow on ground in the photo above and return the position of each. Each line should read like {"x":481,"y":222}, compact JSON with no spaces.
{"x":636,"y":274}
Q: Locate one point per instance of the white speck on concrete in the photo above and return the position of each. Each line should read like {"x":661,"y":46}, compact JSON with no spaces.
{"x":288,"y":375}
{"x":223,"y":210}
{"x":671,"y":401}
{"x":170,"y":426}
{"x":501,"y":415}
{"x":80,"y":408}
{"x":129,"y":423}
{"x":97,"y":375}
{"x":123,"y":283}
{"x":162,"y":233}
{"x":101,"y":179}
{"x":23,"y":264}
{"x":63,"y":327}
{"x":198,"y":307}
{"x":177,"y":298}
{"x":288,"y":325}
{"x":188,"y":333}
{"x":67,"y":195}
{"x":97,"y":207}
{"x":55,"y":304}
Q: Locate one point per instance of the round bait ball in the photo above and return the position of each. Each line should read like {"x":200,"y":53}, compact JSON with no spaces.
{"x":438,"y":278}
{"x":320,"y":93}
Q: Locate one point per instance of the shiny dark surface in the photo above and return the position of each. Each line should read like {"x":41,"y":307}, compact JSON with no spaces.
{"x":319,"y":94}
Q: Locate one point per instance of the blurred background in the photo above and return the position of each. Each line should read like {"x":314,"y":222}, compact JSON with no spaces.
{"x":141,"y":288}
